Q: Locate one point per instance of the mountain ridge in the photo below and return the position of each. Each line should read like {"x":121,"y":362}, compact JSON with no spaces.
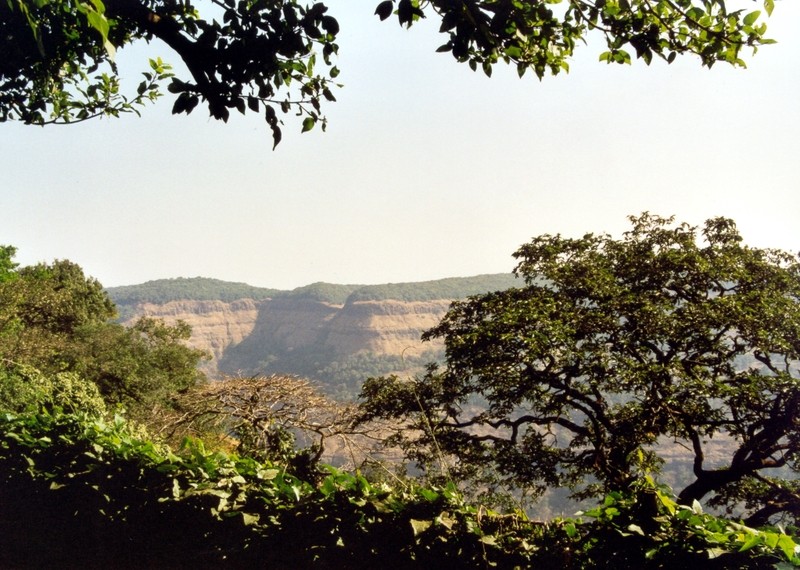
{"x":208,"y":289}
{"x":336,"y":335}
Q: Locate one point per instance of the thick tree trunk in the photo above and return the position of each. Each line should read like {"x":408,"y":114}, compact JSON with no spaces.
{"x":708,"y":482}
{"x":196,"y":57}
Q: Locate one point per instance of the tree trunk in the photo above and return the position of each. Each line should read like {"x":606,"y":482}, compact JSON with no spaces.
{"x":707,"y":482}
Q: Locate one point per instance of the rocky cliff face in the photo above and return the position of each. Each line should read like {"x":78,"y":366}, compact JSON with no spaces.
{"x":216,"y":325}
{"x":383,"y":327}
{"x":242,"y":335}
{"x":336,"y":335}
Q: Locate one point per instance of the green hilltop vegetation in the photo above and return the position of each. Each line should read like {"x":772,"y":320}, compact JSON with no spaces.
{"x":451,"y":288}
{"x":205,"y":289}
{"x":187,"y":288}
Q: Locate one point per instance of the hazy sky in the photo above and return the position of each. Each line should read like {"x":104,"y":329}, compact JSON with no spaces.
{"x":427,"y":170}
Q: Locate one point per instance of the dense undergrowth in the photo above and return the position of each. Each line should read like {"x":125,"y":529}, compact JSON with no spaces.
{"x":80,"y":490}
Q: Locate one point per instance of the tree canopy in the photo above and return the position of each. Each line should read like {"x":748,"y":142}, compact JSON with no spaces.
{"x":57,"y":62}
{"x":55,"y":324}
{"x":671,"y":335}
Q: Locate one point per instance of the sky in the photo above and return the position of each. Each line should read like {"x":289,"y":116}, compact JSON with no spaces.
{"x":427,"y":169}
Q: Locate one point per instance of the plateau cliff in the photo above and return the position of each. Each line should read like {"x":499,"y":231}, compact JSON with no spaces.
{"x":336,"y":335}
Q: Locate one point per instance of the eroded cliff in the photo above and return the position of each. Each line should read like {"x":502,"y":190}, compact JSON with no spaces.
{"x":242,"y":335}
{"x":337,"y":335}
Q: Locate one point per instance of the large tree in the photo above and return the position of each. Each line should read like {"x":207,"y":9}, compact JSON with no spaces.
{"x":54,"y":320}
{"x":57,"y":56}
{"x":43,"y":305}
{"x":612,"y":350}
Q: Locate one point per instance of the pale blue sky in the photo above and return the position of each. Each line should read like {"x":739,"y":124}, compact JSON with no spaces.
{"x":427,"y":170}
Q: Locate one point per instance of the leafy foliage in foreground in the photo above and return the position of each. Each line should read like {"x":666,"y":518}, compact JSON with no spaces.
{"x":58,"y":64}
{"x":119,"y":500}
{"x":540,"y":37}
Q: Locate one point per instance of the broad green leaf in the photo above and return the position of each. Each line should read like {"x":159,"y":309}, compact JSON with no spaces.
{"x":789,"y":547}
{"x":753,"y":540}
{"x":420,"y":526}
{"x":751,"y":18}
{"x":771,"y":539}
{"x":308,"y":124}
{"x":98,"y":22}
{"x":250,"y":519}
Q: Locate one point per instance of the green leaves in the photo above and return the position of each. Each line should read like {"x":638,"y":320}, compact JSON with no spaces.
{"x":751,"y":18}
{"x":263,"y":53}
{"x":206,"y":509}
{"x":97,"y":19}
{"x":681,"y":532}
{"x":308,"y":123}
{"x":671,"y":332}
{"x":532,"y":36}
{"x":70,"y":77}
{"x":260,"y":54}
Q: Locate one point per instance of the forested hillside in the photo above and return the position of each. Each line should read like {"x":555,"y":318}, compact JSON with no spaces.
{"x":337,"y":335}
{"x":206,"y":289}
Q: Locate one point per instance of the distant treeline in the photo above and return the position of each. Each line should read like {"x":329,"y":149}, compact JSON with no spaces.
{"x":451,"y":288}
{"x":191,"y":289}
{"x":204,"y":289}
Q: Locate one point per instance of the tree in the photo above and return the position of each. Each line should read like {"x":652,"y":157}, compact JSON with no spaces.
{"x":278,"y":418}
{"x":138,"y":366}
{"x":7,"y":264}
{"x":43,"y":305}
{"x":24,"y":389}
{"x":58,"y":55}
{"x":533,"y":36}
{"x":611,"y":350}
{"x":61,"y":298}
{"x":55,"y":323}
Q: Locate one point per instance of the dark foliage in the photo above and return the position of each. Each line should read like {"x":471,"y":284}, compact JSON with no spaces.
{"x":80,"y":492}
